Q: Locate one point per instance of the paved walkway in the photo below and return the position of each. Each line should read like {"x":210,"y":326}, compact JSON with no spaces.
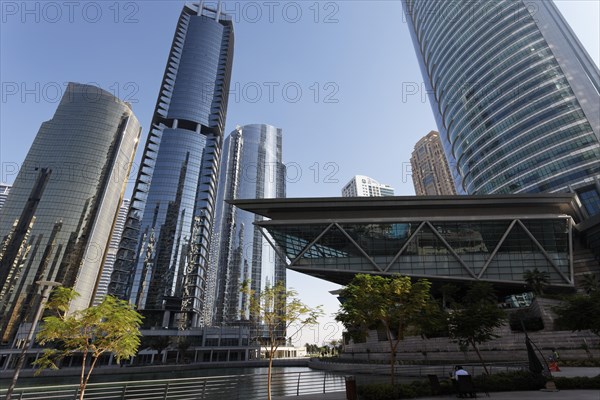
{"x":560,"y":395}
{"x":568,"y":372}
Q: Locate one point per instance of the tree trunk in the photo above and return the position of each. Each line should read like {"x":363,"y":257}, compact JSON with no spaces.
{"x":393,"y":347}
{"x":87,"y":378}
{"x":82,"y":376}
{"x":269,"y":373}
{"x":479,"y":355}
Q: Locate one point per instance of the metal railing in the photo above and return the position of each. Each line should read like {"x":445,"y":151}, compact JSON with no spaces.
{"x":240,"y":387}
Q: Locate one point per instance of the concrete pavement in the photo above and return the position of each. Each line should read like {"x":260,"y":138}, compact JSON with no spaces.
{"x":529,"y":395}
{"x":568,"y":372}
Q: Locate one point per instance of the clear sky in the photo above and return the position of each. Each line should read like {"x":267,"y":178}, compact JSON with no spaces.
{"x":330,"y":74}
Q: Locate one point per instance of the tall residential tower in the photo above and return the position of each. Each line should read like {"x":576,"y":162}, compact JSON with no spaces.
{"x":162,"y":261}
{"x":515,"y":95}
{"x":57,"y":220}
{"x":252,"y":168}
{"x":430,"y":171}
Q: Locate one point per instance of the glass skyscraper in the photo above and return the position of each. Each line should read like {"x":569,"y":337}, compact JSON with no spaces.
{"x":111,"y":253}
{"x":4,"y":189}
{"x":515,"y":95}
{"x":161,"y":265}
{"x":251,"y":168}
{"x":56,"y":222}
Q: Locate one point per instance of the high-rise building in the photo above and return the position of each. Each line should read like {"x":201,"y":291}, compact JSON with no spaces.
{"x":363,"y":186}
{"x":111,"y":252}
{"x":430,"y":171}
{"x":162,"y":261}
{"x":56,"y":223}
{"x":251,"y":168}
{"x":4,"y":189}
{"x":515,"y":95}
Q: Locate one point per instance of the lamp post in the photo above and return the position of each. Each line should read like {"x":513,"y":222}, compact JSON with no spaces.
{"x":46,"y":288}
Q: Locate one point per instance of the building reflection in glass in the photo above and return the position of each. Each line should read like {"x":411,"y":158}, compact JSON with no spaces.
{"x":162,"y":262}
{"x":56,"y":222}
{"x":252,"y":168}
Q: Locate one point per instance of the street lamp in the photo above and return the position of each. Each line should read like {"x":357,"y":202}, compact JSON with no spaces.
{"x":46,"y":288}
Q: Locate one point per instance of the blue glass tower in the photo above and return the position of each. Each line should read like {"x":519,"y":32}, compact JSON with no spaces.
{"x":515,"y":96}
{"x":252,"y":168}
{"x":161,"y":264}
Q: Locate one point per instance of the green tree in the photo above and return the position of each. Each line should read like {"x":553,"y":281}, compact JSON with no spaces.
{"x":274,"y":310}
{"x":580,"y":312}
{"x":393,"y":304}
{"x":537,"y":280}
{"x":110,"y":327}
{"x":159,"y":344}
{"x":475,"y":318}
{"x":590,"y":283}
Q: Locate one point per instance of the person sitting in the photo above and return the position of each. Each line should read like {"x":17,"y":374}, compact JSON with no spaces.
{"x":458,"y":370}
{"x":464,"y":385}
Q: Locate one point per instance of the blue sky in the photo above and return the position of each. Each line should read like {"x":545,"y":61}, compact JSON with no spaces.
{"x":330,"y":74}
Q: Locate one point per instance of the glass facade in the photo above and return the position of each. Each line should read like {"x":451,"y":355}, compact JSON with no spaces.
{"x":111,"y":253}
{"x":251,"y":168}
{"x":4,"y":189}
{"x":515,"y":96}
{"x":496,"y":250}
{"x":56,"y":222}
{"x":162,"y":262}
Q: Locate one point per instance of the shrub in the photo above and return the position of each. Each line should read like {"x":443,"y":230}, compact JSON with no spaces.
{"x":509,"y":381}
{"x":388,"y":392}
{"x":582,"y":382}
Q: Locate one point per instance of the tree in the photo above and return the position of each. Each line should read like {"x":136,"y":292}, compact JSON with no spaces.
{"x":536,"y":280}
{"x":590,"y":283}
{"x":183,"y":344}
{"x":159,"y":344}
{"x":393,"y":304}
{"x":110,"y":327}
{"x":274,"y":309}
{"x":475,"y":318}
{"x":580,"y":312}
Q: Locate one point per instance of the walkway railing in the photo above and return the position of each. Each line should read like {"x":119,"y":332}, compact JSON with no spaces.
{"x":231,"y":387}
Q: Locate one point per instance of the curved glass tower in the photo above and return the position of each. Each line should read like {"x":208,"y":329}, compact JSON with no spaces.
{"x":57,"y":220}
{"x":515,"y":95}
{"x":252,"y":168}
{"x":161,"y":265}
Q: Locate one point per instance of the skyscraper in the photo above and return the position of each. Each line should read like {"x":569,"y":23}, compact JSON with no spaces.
{"x":363,"y":186}
{"x":515,"y":95}
{"x":430,"y":171}
{"x":4,"y":189}
{"x":161,"y":264}
{"x":111,"y":252}
{"x":251,"y":168}
{"x":56,"y":223}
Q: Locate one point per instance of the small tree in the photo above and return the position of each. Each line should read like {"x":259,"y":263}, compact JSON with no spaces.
{"x":590,"y":283}
{"x":110,"y":327}
{"x":392,"y":303}
{"x":580,"y":312}
{"x":275,"y":309}
{"x":475,"y":318}
{"x":159,"y":344}
{"x":183,"y":344}
{"x":537,"y":280}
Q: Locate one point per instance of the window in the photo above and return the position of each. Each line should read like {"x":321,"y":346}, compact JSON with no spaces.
{"x":590,"y":198}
